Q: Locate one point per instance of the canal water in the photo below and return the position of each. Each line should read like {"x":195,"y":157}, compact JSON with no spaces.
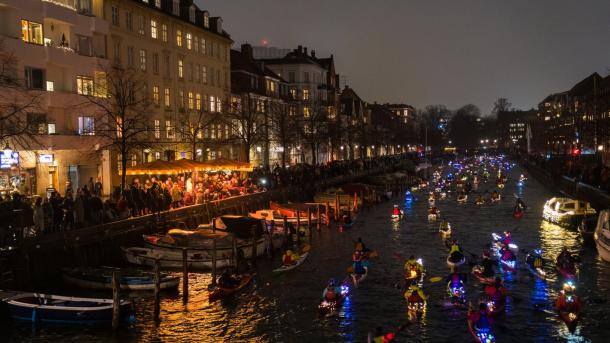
{"x":283,"y":308}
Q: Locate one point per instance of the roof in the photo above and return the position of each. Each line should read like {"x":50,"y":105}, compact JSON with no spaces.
{"x":585,"y":87}
{"x":240,"y":62}
{"x":167,"y":9}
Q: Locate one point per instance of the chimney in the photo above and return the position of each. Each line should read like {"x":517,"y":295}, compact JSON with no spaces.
{"x":305,"y":51}
{"x":313,"y":53}
{"x":300,"y":49}
{"x":246,"y":51}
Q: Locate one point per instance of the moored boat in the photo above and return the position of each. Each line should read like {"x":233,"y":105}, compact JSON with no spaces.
{"x":46,"y":308}
{"x":602,"y":235}
{"x":566,"y":212}
{"x":132,"y":280}
{"x":195,"y":260}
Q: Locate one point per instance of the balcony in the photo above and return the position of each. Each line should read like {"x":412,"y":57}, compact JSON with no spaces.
{"x":76,"y":13}
{"x":67,"y":57}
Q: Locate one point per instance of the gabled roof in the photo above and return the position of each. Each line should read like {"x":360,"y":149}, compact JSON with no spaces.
{"x":241,"y":62}
{"x":585,"y":87}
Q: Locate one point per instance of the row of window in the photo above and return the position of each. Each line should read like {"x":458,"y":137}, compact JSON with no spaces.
{"x":190,"y":100}
{"x":161,"y":31}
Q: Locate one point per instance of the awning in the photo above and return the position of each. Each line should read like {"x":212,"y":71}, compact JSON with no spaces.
{"x":185,"y":166}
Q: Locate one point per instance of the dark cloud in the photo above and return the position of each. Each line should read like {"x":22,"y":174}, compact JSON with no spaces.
{"x":428,"y":52}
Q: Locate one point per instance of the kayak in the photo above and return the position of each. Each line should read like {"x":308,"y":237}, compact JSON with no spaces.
{"x":498,"y":240}
{"x":359,"y":278}
{"x":462,"y":200}
{"x":222,"y":292}
{"x":508,"y":266}
{"x":494,"y":200}
{"x":329,"y":308}
{"x":396,"y":217}
{"x":477,"y":271}
{"x":432,"y":217}
{"x":567,"y":273}
{"x":285,"y":268}
{"x":570,"y":319}
{"x":457,"y":295}
{"x":445,"y":233}
{"x":480,"y":203}
{"x":454,"y":264}
{"x":480,"y":336}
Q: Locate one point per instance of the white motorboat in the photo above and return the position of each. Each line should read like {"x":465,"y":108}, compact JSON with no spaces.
{"x":602,"y":235}
{"x":566,"y":211}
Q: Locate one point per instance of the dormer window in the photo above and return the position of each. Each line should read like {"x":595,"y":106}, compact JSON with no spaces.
{"x":206,"y":20}
{"x":176,"y":7}
{"x":192,"y":14}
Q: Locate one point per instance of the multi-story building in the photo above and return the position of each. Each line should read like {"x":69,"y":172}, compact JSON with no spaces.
{"x":60,"y":52}
{"x":260,"y":96}
{"x":313,"y":82}
{"x":357,"y":124}
{"x":183,"y":55}
{"x":64,"y":49}
{"x":513,"y":129}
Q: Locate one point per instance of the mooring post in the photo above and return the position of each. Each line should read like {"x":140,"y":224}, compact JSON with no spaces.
{"x":185,"y":276}
{"x":214,"y":257}
{"x":309,"y":221}
{"x":157,"y":299}
{"x":116,"y":300}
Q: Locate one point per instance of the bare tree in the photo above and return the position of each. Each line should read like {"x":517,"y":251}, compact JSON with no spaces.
{"x":282,"y":128}
{"x":501,"y":105}
{"x":123,"y":113}
{"x":247,"y":125}
{"x":314,"y":128}
{"x":192,"y":125}
{"x":18,"y":104}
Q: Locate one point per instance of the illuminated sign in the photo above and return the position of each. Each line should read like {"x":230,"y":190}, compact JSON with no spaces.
{"x":45,"y":158}
{"x":7,"y":161}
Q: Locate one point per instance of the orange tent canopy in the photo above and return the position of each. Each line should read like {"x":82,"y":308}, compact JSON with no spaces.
{"x":185,"y":165}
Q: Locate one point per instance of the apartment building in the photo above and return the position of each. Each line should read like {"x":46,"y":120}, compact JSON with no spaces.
{"x":184,"y":55}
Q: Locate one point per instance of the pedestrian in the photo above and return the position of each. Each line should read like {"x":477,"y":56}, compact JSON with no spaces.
{"x":39,"y":217}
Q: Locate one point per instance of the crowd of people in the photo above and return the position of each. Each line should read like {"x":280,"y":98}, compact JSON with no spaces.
{"x":86,"y":206}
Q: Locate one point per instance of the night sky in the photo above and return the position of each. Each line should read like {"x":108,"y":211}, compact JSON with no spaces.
{"x":437,"y":52}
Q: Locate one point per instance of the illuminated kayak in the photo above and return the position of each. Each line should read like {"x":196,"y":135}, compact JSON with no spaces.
{"x":477,"y":271}
{"x":416,"y":309}
{"x":445,"y":230}
{"x":480,"y":335}
{"x":220,"y":292}
{"x":499,"y":240}
{"x":509,"y":266}
{"x":329,"y":308}
{"x":457,"y":293}
{"x":537,"y":272}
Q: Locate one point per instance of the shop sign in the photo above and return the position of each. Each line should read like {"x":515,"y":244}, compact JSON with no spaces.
{"x":45,"y":158}
{"x":7,"y":161}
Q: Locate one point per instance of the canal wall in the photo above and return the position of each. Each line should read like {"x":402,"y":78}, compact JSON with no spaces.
{"x":38,"y":260}
{"x":578,"y":190}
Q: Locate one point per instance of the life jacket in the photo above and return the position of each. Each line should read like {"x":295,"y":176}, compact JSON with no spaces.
{"x":288,"y":259}
{"x":396,"y":211}
{"x":455,"y":280}
{"x":330,"y":293}
{"x":359,"y":268}
{"x":537,"y":262}
{"x":482,"y":324}
{"x":454,"y":248}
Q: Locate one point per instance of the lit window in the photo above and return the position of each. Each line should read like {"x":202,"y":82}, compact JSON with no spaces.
{"x":306,"y":112}
{"x":50,"y":86}
{"x":204,"y":75}
{"x":169,"y":129}
{"x":180,"y":68}
{"x":84,"y":85}
{"x":156,"y":95}
{"x":86,"y":125}
{"x":164,"y":33}
{"x":157,"y":129}
{"x":31,"y":32}
{"x":198,"y":101}
{"x":143,"y":60}
{"x":119,"y":127}
{"x":191,"y":101}
{"x":189,"y":41}
{"x":206,"y":20}
{"x":51,"y":128}
{"x":305,"y":94}
{"x":212,"y":103}
{"x":203,"y":46}
{"x":293,"y":93}
{"x":167,"y":98}
{"x":178,"y":38}
{"x":153,"y":29}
